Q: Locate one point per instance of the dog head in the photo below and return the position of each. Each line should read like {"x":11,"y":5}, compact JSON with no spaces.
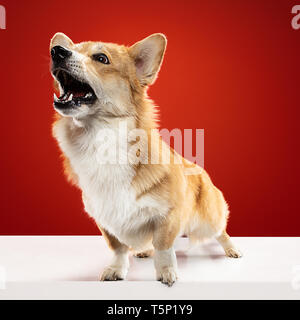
{"x":103,"y":78}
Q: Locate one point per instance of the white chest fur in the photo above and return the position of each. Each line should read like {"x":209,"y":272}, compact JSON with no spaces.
{"x":109,"y":196}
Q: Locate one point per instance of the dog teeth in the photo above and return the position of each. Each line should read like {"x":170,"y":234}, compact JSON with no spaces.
{"x":55,"y":98}
{"x":88,"y":95}
{"x":70,"y":97}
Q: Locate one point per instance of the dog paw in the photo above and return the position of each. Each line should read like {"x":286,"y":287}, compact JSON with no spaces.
{"x":144,"y":254}
{"x":112,"y":274}
{"x":167,"y":276}
{"x":233,"y":253}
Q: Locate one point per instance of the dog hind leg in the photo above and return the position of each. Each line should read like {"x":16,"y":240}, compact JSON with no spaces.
{"x":144,"y":254}
{"x":228,"y":246}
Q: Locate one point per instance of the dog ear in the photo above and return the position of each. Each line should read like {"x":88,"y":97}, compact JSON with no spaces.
{"x":61,"y":39}
{"x":148,"y":56}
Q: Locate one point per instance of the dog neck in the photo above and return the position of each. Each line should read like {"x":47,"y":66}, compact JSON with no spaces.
{"x":143,"y":117}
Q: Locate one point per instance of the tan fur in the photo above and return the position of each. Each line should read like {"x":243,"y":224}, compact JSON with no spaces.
{"x":193,"y":201}
{"x":112,"y":241}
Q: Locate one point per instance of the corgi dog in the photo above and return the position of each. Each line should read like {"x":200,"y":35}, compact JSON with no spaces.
{"x":137,"y":205}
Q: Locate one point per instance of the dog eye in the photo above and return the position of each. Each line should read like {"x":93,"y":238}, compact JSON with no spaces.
{"x":101,"y":57}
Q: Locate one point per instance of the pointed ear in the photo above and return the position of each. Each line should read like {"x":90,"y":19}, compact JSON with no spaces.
{"x":60,"y":39}
{"x":148,"y":56}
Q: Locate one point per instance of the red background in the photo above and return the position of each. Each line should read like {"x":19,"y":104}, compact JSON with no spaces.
{"x":231,"y":67}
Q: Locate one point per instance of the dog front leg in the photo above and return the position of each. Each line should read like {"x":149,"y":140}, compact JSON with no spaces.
{"x":118,"y":268}
{"x":165,"y":261}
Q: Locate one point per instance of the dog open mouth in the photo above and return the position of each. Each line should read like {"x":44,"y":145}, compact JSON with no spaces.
{"x":75,"y":92}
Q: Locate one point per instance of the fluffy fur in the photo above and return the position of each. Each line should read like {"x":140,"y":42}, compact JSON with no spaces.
{"x":137,"y":206}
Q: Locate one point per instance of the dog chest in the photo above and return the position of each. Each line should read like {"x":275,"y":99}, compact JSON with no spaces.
{"x":109,"y":197}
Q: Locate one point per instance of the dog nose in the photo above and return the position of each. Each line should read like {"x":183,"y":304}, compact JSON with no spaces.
{"x":59,"y":54}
